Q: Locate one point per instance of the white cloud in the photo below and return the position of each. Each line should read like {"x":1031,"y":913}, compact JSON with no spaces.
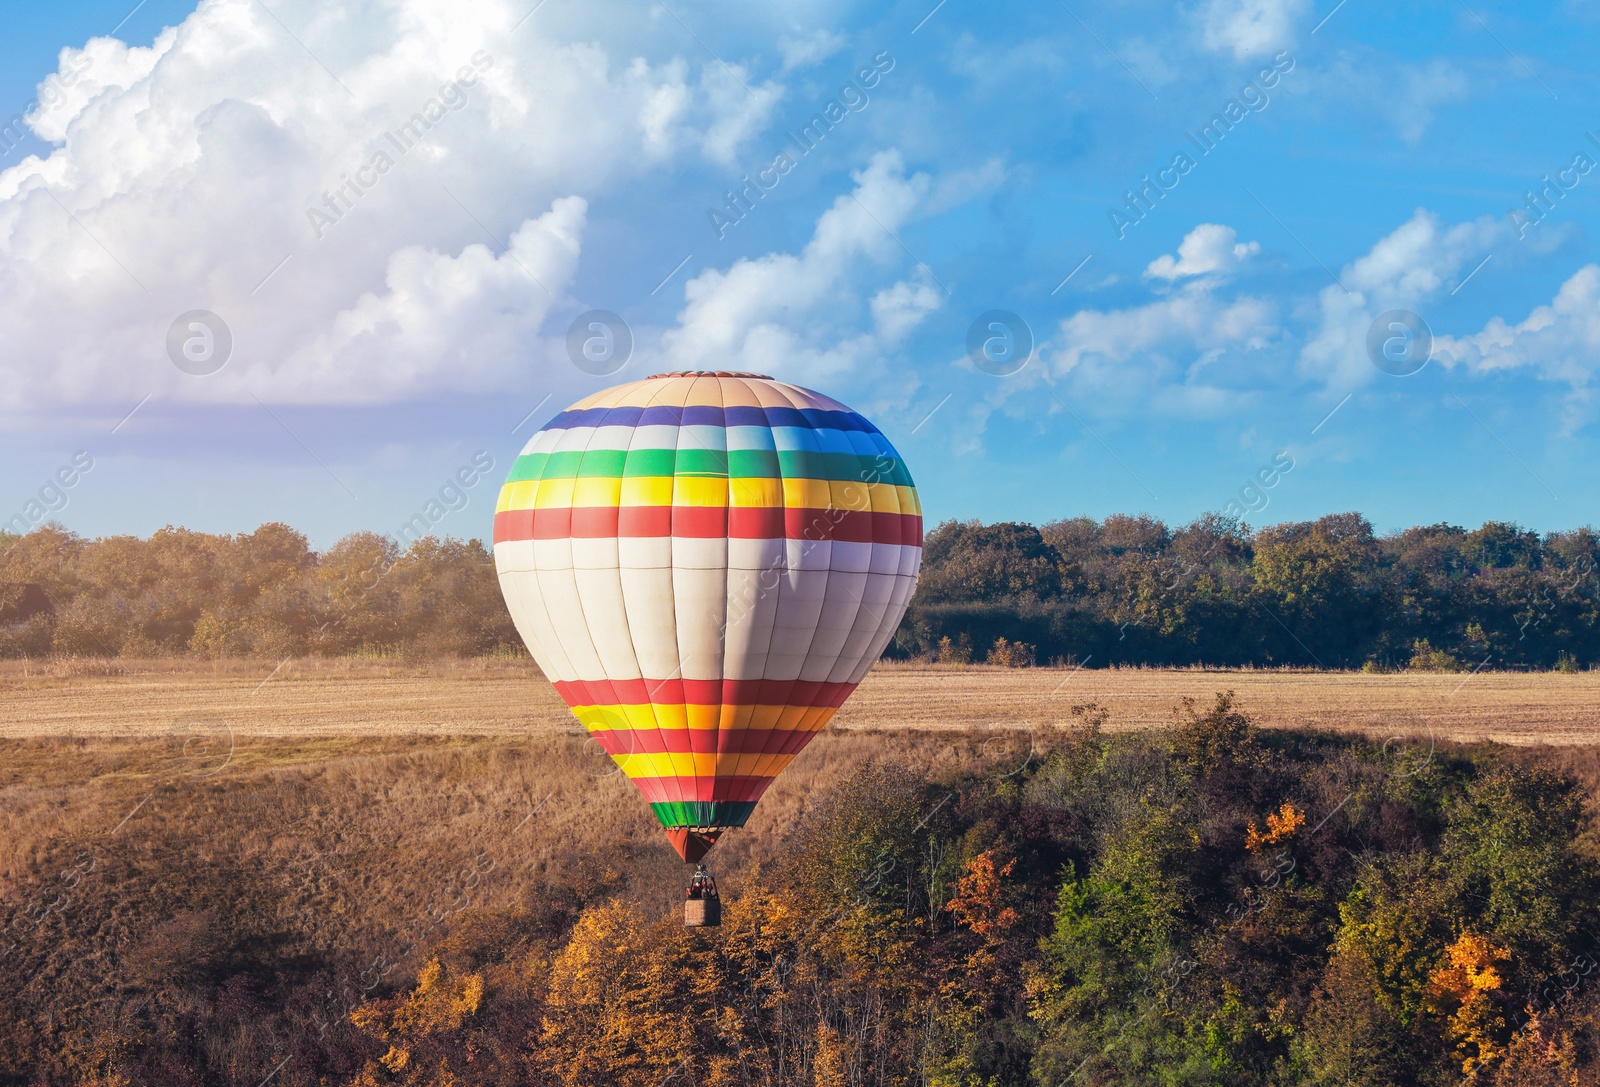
{"x":804,"y":50}
{"x":742,"y":110}
{"x":796,"y":315}
{"x":1559,"y":340}
{"x":1187,"y":324}
{"x":1151,"y":357}
{"x":82,"y":75}
{"x":473,"y":312}
{"x":898,"y":309}
{"x":1208,"y":249}
{"x":185,"y":173}
{"x":1250,"y":28}
{"x":1408,"y":267}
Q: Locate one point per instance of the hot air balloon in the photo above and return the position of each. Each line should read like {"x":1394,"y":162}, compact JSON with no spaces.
{"x":705,"y":565}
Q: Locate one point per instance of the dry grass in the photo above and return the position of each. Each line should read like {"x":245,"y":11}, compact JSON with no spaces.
{"x":508,"y":699}
{"x":354,"y":843}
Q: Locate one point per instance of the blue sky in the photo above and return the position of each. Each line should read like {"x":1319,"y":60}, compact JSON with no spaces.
{"x":577,"y":156}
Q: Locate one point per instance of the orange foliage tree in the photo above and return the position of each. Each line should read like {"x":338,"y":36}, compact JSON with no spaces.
{"x":1463,"y":992}
{"x":1281,"y":826}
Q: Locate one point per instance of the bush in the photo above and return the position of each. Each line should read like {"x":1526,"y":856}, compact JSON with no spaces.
{"x":1425,"y":658}
{"x":1011,"y":654}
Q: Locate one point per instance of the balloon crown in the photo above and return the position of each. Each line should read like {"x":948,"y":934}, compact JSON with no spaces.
{"x":709,"y":373}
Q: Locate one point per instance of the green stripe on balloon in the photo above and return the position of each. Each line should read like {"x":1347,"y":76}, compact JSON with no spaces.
{"x":737,"y":464}
{"x":703,"y":813}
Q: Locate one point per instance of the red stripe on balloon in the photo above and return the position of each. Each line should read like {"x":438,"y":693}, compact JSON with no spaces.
{"x":703,"y":692}
{"x":708,"y":522}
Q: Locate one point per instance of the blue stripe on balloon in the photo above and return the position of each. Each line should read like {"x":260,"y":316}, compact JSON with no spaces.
{"x":711,"y":415}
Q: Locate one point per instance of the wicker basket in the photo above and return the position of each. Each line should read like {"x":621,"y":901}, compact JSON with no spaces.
{"x":702,"y":912}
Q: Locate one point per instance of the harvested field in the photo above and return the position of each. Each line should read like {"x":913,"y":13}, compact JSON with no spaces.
{"x":508,"y":698}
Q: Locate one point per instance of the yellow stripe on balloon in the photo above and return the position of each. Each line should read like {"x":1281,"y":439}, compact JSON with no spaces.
{"x":758,"y":492}
{"x":709,"y":764}
{"x":647,"y":490}
{"x":698,"y":491}
{"x":805,"y":493}
{"x":750,"y":493}
{"x":552,"y":494}
{"x":665,"y":715}
{"x":516,"y":496}
{"x":594,"y":491}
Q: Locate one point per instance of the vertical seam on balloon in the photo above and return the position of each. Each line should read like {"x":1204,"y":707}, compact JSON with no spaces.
{"x":789,"y":392}
{"x":872,"y":543}
{"x":687,"y":385}
{"x":834,"y":548}
{"x":879,"y":641}
{"x":722,"y":620}
{"x":511,"y":590}
{"x":777,"y":607}
{"x":651,"y":694}
{"x":695,"y":385}
{"x":773,"y":739}
{"x":577,"y":589}
{"x":752,"y":759}
{"x":622,"y":600}
{"x":879,"y":447}
{"x":543,"y":606}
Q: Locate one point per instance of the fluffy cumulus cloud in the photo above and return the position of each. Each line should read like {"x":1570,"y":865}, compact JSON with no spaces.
{"x":1559,"y":341}
{"x":382,"y":200}
{"x":1202,"y":343}
{"x":470,"y":311}
{"x":1171,"y":355}
{"x":1250,"y":28}
{"x":1208,"y":249}
{"x":798,"y":315}
{"x":1418,"y":261}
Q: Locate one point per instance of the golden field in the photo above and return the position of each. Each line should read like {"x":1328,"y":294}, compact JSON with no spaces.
{"x":508,"y":698}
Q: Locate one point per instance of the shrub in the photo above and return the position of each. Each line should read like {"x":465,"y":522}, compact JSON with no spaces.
{"x":957,"y":652}
{"x":1011,"y":654}
{"x":1425,"y":658}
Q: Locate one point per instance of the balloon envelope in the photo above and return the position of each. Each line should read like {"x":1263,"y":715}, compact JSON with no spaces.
{"x":705,"y":565}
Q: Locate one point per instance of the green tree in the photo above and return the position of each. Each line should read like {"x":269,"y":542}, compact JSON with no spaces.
{"x":1317,"y":581}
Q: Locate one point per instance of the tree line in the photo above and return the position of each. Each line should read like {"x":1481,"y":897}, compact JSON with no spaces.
{"x":265,"y":593}
{"x":1328,"y":593}
{"x":1325,"y":593}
